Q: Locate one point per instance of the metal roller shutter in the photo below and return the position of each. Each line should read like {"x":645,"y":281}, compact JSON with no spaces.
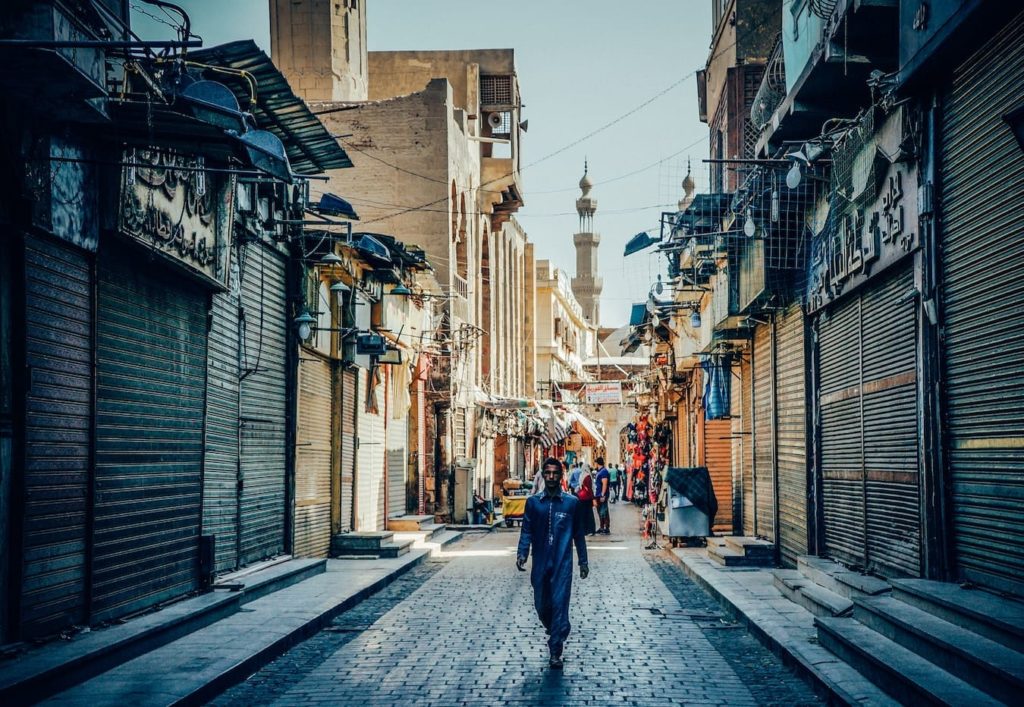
{"x":58,"y":412}
{"x":718,"y":460}
{"x":151,"y":392}
{"x":764,"y":471}
{"x":264,"y":329}
{"x":889,"y":332}
{"x":738,"y":444}
{"x":398,"y":453}
{"x":791,"y":433}
{"x":313,"y":458}
{"x":345,"y":495}
{"x":370,"y":464}
{"x":220,"y":464}
{"x":982,"y":258}
{"x":842,"y":434}
{"x":747,"y":442}
{"x":868,"y":397}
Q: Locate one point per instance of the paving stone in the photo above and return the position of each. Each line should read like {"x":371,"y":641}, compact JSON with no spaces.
{"x":461,"y":630}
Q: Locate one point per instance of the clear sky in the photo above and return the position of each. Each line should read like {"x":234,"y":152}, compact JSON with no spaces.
{"x":582,"y":64}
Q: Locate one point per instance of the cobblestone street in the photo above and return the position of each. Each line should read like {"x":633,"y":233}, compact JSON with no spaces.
{"x":461,"y":630}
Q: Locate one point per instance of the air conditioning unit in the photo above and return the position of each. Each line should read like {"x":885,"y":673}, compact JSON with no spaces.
{"x":371,"y":345}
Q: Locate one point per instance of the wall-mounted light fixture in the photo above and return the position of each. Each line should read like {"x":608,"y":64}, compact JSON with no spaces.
{"x":695,"y":321}
{"x":304,"y":325}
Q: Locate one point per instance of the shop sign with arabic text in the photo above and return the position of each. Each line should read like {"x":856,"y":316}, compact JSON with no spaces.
{"x":865,"y":241}
{"x":172,"y":205}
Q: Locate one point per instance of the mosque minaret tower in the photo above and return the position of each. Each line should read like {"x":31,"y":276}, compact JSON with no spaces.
{"x":587,"y":285}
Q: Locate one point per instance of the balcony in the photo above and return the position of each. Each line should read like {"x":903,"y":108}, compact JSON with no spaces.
{"x":460,"y":298}
{"x":772,"y":90}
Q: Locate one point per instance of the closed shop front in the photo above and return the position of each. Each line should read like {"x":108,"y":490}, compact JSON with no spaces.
{"x":398,"y":454}
{"x":313,"y":457}
{"x":791,"y":433}
{"x":982,"y":257}
{"x":220,"y":466}
{"x":747,"y":444}
{"x":763,"y":498}
{"x":718,"y":460}
{"x":371,"y":458}
{"x":58,"y":322}
{"x":151,"y":390}
{"x":867,"y":351}
{"x":263,"y":401}
{"x":344,"y":493}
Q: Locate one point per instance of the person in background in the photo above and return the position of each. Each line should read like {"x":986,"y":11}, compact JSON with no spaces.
{"x":586,"y":496}
{"x":614,"y":477}
{"x":552,"y":524}
{"x":538,"y":483}
{"x":574,"y":478}
{"x":602,"y":492}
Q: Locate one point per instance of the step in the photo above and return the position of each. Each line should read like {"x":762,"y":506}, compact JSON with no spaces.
{"x":994,"y":617}
{"x":275,"y":578}
{"x":394,"y":549}
{"x":751,"y":547}
{"x":789,"y":582}
{"x":822,"y":602}
{"x":899,"y":671}
{"x":728,"y":557}
{"x":360,"y":543}
{"x":984,"y":663}
{"x":409,"y":522}
{"x":854,"y":584}
{"x":53,"y":667}
{"x":435,"y":542}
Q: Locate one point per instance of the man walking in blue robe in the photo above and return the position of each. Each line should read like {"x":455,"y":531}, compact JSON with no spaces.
{"x":552,"y":522}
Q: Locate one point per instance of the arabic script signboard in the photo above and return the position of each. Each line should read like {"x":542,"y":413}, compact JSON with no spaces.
{"x":865,"y":241}
{"x":609,"y":393}
{"x":172,"y":205}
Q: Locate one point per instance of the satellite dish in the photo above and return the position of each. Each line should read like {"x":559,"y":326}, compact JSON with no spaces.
{"x":267,"y":154}
{"x":494,"y":120}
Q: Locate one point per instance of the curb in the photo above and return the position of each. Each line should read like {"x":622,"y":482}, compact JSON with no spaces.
{"x":250,"y":665}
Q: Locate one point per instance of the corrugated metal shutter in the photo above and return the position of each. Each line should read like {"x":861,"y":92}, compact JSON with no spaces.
{"x":264,"y":329}
{"x":982,"y":291}
{"x":869,"y":435}
{"x":398,"y":453}
{"x":151,"y":396}
{"x":220,"y":464}
{"x":764,"y":465}
{"x":791,"y":432}
{"x":58,"y":411}
{"x":747,"y":443}
{"x":842,"y":434}
{"x":718,"y":460}
{"x":312,"y":537}
{"x":738,"y":443}
{"x":347,"y":447}
{"x":370,"y":466}
{"x":889,"y":330}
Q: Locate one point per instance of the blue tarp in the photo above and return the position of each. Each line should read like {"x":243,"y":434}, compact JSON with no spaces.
{"x":717,"y":390}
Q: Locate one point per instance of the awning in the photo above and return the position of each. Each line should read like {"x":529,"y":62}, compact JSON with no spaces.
{"x":497,"y":402}
{"x":586,"y":426}
{"x":309,"y":145}
{"x":639,"y":242}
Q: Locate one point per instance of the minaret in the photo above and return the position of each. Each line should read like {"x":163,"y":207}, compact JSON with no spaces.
{"x":587,"y":285}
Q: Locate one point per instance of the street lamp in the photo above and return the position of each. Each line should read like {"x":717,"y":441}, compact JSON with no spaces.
{"x":304,"y":325}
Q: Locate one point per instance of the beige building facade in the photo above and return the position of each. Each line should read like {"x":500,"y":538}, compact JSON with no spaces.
{"x":434,"y":139}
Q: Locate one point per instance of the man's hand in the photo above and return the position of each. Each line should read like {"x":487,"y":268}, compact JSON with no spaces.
{"x":521,"y":564}
{"x":584,"y":571}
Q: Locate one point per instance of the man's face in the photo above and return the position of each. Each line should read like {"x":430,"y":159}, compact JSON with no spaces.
{"x":552,"y":478}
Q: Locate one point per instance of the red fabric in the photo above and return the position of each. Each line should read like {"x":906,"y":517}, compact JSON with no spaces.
{"x":586,"y":492}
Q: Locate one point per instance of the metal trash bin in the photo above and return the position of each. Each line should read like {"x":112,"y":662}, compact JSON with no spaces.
{"x":690,"y":503}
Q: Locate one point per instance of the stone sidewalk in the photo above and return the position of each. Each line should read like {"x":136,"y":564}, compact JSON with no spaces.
{"x":200,"y":665}
{"x":786,"y":628}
